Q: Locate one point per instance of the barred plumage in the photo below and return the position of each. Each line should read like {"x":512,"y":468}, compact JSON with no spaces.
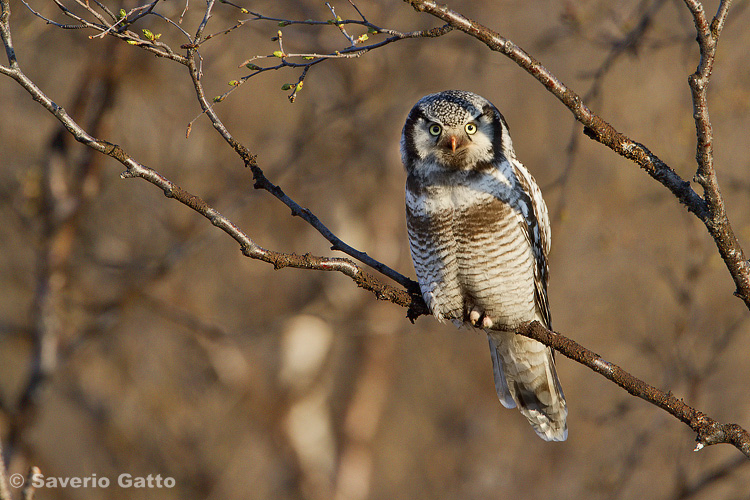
{"x":479,"y":235}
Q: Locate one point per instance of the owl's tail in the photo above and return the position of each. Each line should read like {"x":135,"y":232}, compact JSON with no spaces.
{"x":525,"y":376}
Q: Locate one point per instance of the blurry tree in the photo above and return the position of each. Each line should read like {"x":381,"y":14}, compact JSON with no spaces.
{"x":71,"y":181}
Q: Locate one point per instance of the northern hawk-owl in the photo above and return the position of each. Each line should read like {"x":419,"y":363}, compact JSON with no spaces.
{"x":479,"y":235}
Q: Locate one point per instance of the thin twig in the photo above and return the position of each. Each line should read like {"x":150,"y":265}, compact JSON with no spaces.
{"x":709,"y":478}
{"x":261,"y":182}
{"x":118,"y":29}
{"x":6,"y":38}
{"x":411,"y":300}
{"x":340,"y":26}
{"x":358,"y":11}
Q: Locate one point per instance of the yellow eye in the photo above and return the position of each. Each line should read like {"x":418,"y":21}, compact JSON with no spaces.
{"x":435,"y":129}
{"x":471,"y":128}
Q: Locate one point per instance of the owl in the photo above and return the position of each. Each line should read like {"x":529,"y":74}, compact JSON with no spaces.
{"x":479,"y":235}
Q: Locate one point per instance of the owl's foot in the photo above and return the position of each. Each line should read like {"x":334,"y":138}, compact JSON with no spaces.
{"x":479,"y":320}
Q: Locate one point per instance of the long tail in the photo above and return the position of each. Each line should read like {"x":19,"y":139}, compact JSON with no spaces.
{"x":525,"y":376}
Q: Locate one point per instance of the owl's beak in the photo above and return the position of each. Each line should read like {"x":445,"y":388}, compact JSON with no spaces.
{"x":454,"y":142}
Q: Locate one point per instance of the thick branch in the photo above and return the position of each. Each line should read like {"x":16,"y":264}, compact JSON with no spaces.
{"x":708,"y":430}
{"x":596,"y":128}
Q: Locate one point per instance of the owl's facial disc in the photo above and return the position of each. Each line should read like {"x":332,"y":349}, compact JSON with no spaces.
{"x":459,"y":146}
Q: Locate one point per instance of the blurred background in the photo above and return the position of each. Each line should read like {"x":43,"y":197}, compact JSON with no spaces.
{"x":135,"y":338}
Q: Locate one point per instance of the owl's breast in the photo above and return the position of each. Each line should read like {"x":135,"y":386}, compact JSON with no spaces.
{"x":470,"y":250}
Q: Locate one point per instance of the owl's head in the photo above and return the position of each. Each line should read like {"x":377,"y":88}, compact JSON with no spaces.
{"x":454,"y":130}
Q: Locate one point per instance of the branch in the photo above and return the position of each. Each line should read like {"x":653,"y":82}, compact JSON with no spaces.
{"x":117,"y":29}
{"x":410,"y":300}
{"x":261,"y":182}
{"x":709,"y":211}
{"x":717,"y":221}
{"x":708,"y":430}
{"x":417,"y":306}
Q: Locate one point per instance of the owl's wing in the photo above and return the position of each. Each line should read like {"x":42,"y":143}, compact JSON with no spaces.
{"x":537,"y":231}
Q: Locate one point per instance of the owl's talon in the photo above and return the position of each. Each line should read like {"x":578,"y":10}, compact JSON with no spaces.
{"x":479,"y":320}
{"x":474,"y":317}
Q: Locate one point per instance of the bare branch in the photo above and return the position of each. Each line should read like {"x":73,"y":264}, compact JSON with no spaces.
{"x":411,"y":299}
{"x":7,"y":40}
{"x":117,"y":29}
{"x":252,"y":249}
{"x":708,"y":430}
{"x":717,"y":221}
{"x":261,"y":182}
{"x":628,"y":42}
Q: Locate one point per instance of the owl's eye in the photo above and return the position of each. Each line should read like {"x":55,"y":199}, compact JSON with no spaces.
{"x":471,"y":128}
{"x":435,"y":129}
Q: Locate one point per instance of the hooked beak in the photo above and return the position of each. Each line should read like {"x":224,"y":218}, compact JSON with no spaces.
{"x":453,"y":142}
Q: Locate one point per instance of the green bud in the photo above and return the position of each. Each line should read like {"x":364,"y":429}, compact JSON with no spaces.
{"x":278,"y":53}
{"x":286,"y":86}
{"x":252,"y":67}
